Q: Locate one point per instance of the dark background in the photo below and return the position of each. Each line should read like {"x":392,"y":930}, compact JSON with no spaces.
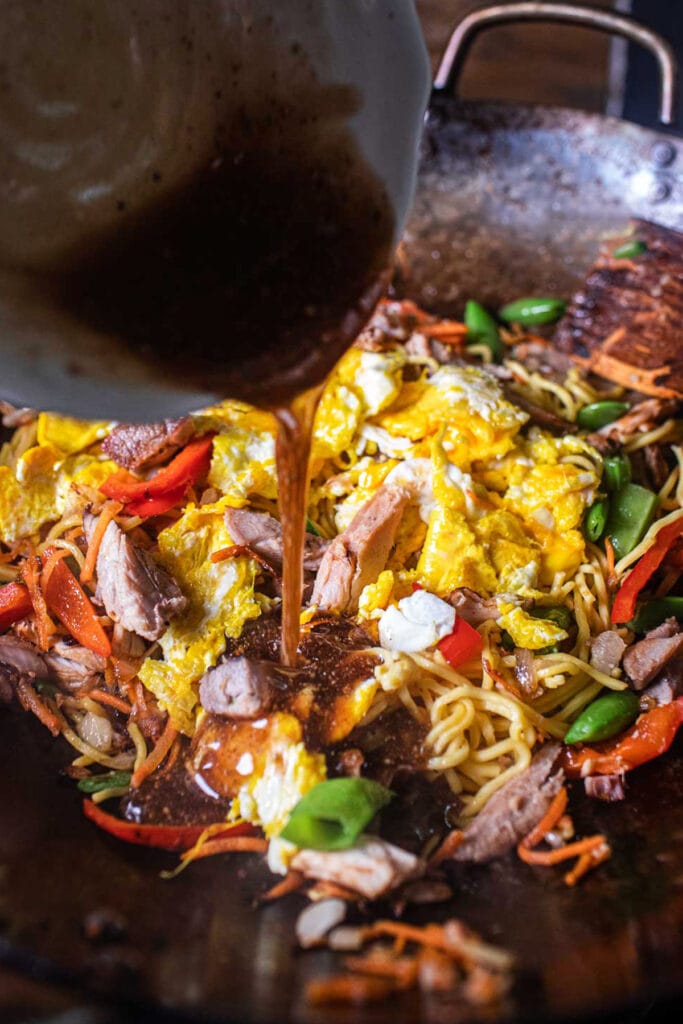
{"x":528,"y":63}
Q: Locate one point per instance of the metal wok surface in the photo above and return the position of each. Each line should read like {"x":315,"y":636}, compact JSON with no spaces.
{"x":509,"y":201}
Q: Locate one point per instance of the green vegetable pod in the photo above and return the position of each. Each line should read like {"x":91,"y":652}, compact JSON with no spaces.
{"x":605,"y":717}
{"x":632,"y":509}
{"x":107,"y":780}
{"x":599,"y":414}
{"x":595,"y":520}
{"x":629,"y":250}
{"x":482,"y":329}
{"x":616,"y":472}
{"x":533,"y":311}
{"x":654,"y":612}
{"x":333,"y":814}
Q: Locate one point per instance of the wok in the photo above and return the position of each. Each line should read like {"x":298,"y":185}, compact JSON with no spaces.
{"x":510,"y":200}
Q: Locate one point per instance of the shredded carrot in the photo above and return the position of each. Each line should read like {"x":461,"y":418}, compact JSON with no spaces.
{"x":354,"y":989}
{"x":292,"y":881}
{"x":140,"y":697}
{"x":156,"y":755}
{"x":549,"y":819}
{"x":586,"y":863}
{"x":231,"y":844}
{"x":499,"y":678}
{"x":102,"y":697}
{"x":171,"y":759}
{"x":30,"y":701}
{"x":447,"y":848}
{"x":609,"y":564}
{"x":547,"y":857}
{"x":445,"y":330}
{"x":244,"y":551}
{"x":30,"y":574}
{"x":332,"y":890}
{"x":430,"y":935}
{"x":403,"y":970}
{"x":109,"y":510}
{"x":50,"y":559}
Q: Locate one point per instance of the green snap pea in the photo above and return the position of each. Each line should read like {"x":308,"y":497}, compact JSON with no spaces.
{"x":107,"y":780}
{"x":595,"y":520}
{"x":604,"y":718}
{"x":654,"y":612}
{"x":629,"y":250}
{"x":333,"y":814}
{"x":482,"y":329}
{"x":616,"y":471}
{"x":632,"y":509}
{"x":532,"y":311}
{"x":599,"y":414}
{"x":556,"y":613}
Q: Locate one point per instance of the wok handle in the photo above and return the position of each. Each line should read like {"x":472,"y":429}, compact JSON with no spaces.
{"x":462,"y":38}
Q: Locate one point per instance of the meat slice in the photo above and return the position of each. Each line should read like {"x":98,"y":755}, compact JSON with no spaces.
{"x":18,"y":660}
{"x":358,"y":555}
{"x":607,"y":650}
{"x":372,"y":868}
{"x":626,"y":323}
{"x":475,"y":610}
{"x":668,"y":685}
{"x":238,"y":688}
{"x":609,"y":788}
{"x":263,"y":534}
{"x":644,"y":660}
{"x":140,"y":445}
{"x":133,"y":588}
{"x":73,"y":666}
{"x":514,"y":810}
{"x":543,"y":357}
{"x":640,"y":418}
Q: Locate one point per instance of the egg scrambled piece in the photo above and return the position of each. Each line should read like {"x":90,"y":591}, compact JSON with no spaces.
{"x":221,"y":599}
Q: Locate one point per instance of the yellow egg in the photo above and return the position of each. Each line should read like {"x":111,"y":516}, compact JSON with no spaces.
{"x":243,"y":464}
{"x":68,"y":435}
{"x":221,"y":599}
{"x":526,"y":631}
{"x":451,"y":556}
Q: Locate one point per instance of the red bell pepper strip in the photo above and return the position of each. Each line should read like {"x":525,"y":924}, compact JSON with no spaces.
{"x":67,"y":600}
{"x":162,"y":837}
{"x":463,"y":644}
{"x":167,"y":487}
{"x":624,"y":606}
{"x":651,"y":735}
{"x":15,"y":604}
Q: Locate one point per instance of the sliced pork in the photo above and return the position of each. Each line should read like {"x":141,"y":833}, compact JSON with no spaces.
{"x":263,"y":534}
{"x":640,"y":418}
{"x":238,"y":688}
{"x":358,"y":555}
{"x":607,"y":650}
{"x":73,"y":666}
{"x":474,"y":609}
{"x":514,"y":810}
{"x":371,"y":868}
{"x":18,"y":660}
{"x":609,"y":788}
{"x":140,"y":445}
{"x":644,"y":660}
{"x":135,"y":591}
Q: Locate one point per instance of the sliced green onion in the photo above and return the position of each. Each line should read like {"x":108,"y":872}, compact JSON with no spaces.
{"x":599,"y":414}
{"x":628,"y":250}
{"x":604,"y":718}
{"x":654,"y":612}
{"x":595,"y":520}
{"x":617,"y":472}
{"x":312,"y":528}
{"x":107,"y":780}
{"x":482,"y":329}
{"x":632,"y":510}
{"x":333,"y":814}
{"x":532,"y":311}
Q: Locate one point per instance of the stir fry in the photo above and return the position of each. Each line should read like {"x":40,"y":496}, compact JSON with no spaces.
{"x":491,"y":615}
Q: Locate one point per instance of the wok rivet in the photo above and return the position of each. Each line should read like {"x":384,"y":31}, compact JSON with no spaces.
{"x":659,"y":190}
{"x":663,"y":153}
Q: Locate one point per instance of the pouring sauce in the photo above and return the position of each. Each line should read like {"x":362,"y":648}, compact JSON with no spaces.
{"x":251,"y":274}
